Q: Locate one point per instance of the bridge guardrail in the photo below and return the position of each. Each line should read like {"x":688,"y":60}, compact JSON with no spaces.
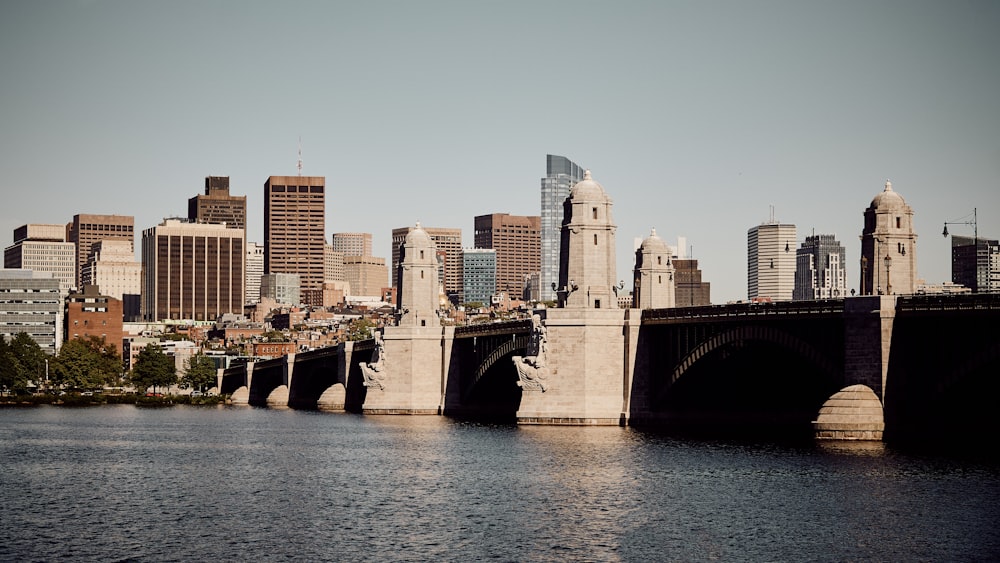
{"x":487,"y":329}
{"x":741,"y":310}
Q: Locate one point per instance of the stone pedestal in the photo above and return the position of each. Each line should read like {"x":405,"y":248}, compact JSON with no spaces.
{"x":409,"y":380}
{"x":853,"y":413}
{"x":587,"y":380}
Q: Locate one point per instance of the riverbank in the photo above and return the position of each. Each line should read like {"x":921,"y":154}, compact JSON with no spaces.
{"x":80,"y":400}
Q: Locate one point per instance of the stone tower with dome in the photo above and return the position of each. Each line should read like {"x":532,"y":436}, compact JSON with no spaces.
{"x":417,"y":280}
{"x":654,"y":275}
{"x":587,"y":256}
{"x":888,"y":246}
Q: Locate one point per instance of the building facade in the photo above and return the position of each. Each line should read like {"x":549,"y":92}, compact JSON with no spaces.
{"x":975,"y":263}
{"x":217,"y":206}
{"x":282,"y":288}
{"x":192,"y":271}
{"x":446,"y":241}
{"x":32,"y":302}
{"x":113,"y":268}
{"x":888,"y":246}
{"x":771,"y":261}
{"x":254,"y":269}
{"x":87,"y":229}
{"x":43,"y":248}
{"x":333,"y":265}
{"x":479,"y":275}
{"x":366,"y":275}
{"x":819,"y":269}
{"x":689,"y":289}
{"x":295,"y":227}
{"x":89,"y":313}
{"x":517,"y":242}
{"x":352,"y":244}
{"x":561,"y":174}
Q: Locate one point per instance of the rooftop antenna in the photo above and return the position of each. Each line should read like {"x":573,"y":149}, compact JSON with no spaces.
{"x":300,"y":155}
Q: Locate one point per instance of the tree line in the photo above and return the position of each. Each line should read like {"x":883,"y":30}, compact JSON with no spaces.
{"x":91,"y":363}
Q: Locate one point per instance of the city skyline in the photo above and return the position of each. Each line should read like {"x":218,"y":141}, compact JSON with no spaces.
{"x":810,"y":112}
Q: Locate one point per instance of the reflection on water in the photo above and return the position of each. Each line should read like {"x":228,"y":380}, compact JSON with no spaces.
{"x":190,"y":483}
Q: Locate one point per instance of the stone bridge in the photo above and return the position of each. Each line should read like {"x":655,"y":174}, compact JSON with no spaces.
{"x":932,"y":361}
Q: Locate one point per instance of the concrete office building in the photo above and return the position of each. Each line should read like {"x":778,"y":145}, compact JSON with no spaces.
{"x":254,"y":269}
{"x":888,"y":246}
{"x":771,"y":261}
{"x":113,"y":268}
{"x":352,"y":244}
{"x":87,"y":229}
{"x":517,"y":241}
{"x":447,"y":241}
{"x":43,"y":248}
{"x":479,"y":275}
{"x":975,"y":263}
{"x":561,"y":174}
{"x":366,"y":275}
{"x":333,"y":264}
{"x":819,"y":269}
{"x":192,"y":271}
{"x":217,"y":206}
{"x":689,"y":289}
{"x":295,"y":227}
{"x":32,"y":302}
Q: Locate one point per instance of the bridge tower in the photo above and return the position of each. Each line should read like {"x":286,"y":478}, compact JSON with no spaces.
{"x":417,"y":280}
{"x":888,"y":246}
{"x":587,"y":256}
{"x":654,"y":275}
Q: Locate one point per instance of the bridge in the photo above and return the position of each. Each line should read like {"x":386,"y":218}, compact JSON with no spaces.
{"x":931,"y":362}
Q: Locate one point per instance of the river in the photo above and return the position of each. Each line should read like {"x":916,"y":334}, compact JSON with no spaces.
{"x":116,"y":483}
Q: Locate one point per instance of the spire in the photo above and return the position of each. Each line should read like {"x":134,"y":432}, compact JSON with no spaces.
{"x":888,"y":186}
{"x":586,"y":175}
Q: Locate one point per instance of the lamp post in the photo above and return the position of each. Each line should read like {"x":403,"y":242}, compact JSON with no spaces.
{"x":888,"y":285}
{"x":975,"y":226}
{"x":864,"y":273}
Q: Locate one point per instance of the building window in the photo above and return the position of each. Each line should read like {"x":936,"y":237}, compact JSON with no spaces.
{"x":597,"y":303}
{"x":595,"y":213}
{"x":595,"y":239}
{"x":897,"y":222}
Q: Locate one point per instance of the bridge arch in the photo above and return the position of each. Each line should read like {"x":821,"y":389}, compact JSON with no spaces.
{"x":737,"y":336}
{"x":505,"y":350}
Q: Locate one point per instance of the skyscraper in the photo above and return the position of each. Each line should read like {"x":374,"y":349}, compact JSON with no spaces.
{"x":217,"y":206}
{"x":819,"y":269}
{"x":352,"y":244}
{"x":689,"y":290}
{"x":516,"y":239}
{"x":294,"y":227}
{"x":975,"y":263}
{"x":771,"y":261}
{"x":448,"y":241}
{"x":561,"y":174}
{"x":192,"y":271}
{"x":479,"y":275}
{"x":888,"y":246}
{"x":254,"y":270}
{"x":87,"y":229}
{"x":367,"y":275}
{"x":43,"y":248}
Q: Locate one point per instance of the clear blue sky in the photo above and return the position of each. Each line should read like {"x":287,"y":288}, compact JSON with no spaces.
{"x":695,"y":116}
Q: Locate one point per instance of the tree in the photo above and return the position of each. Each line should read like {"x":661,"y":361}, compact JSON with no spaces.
{"x":153,"y":369}
{"x":10,"y":370}
{"x":87,"y":363}
{"x":199,"y":372}
{"x":360,"y":329}
{"x":30,"y":357}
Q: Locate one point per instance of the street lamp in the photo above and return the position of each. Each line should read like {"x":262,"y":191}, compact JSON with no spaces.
{"x":975,"y":226}
{"x":864,"y":273}
{"x":888,"y":285}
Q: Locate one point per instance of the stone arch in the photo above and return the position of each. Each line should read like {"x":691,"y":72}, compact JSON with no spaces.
{"x":751,"y":332}
{"x":507,"y":348}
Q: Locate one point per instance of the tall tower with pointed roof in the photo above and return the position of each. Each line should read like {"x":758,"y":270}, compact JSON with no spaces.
{"x":888,"y":246}
{"x":587,"y":258}
{"x":654,"y":275}
{"x":417,"y":280}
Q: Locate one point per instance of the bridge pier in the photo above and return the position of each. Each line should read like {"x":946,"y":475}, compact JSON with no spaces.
{"x":413,"y":377}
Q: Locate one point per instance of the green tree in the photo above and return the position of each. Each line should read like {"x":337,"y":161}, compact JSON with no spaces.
{"x":275,"y":336}
{"x":199,"y":373}
{"x":30,"y":357}
{"x":360,"y":329}
{"x":153,"y":369}
{"x":10,"y":370}
{"x":87,"y":363}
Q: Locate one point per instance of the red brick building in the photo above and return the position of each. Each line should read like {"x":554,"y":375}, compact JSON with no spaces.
{"x":90,"y":313}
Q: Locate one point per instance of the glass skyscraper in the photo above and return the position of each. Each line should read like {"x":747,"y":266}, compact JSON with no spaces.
{"x":561,"y":174}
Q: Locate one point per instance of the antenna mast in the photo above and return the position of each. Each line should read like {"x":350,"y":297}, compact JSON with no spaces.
{"x":300,"y":155}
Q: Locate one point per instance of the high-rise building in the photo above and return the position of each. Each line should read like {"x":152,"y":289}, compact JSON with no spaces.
{"x":561,"y":174}
{"x":87,"y":229}
{"x":819,"y":269}
{"x":192,"y":271}
{"x":294,"y":227}
{"x":689,"y":290}
{"x":43,"y":248}
{"x":517,"y":240}
{"x":888,"y":246}
{"x":588,"y":271}
{"x":479,"y":275}
{"x":333,"y":264}
{"x":352,"y":244}
{"x":32,"y":302}
{"x":113,"y":268}
{"x":89,"y":313}
{"x":254,"y":269}
{"x":217,"y":206}
{"x":448,"y":241}
{"x":771,"y":261}
{"x":975,"y":263}
{"x":367,"y":275}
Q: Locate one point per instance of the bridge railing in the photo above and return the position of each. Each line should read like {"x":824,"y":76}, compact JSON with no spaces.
{"x":742,"y":310}
{"x":489,"y":329}
{"x":955,"y":302}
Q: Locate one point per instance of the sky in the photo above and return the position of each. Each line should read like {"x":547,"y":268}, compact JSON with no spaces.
{"x":696,"y":117}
